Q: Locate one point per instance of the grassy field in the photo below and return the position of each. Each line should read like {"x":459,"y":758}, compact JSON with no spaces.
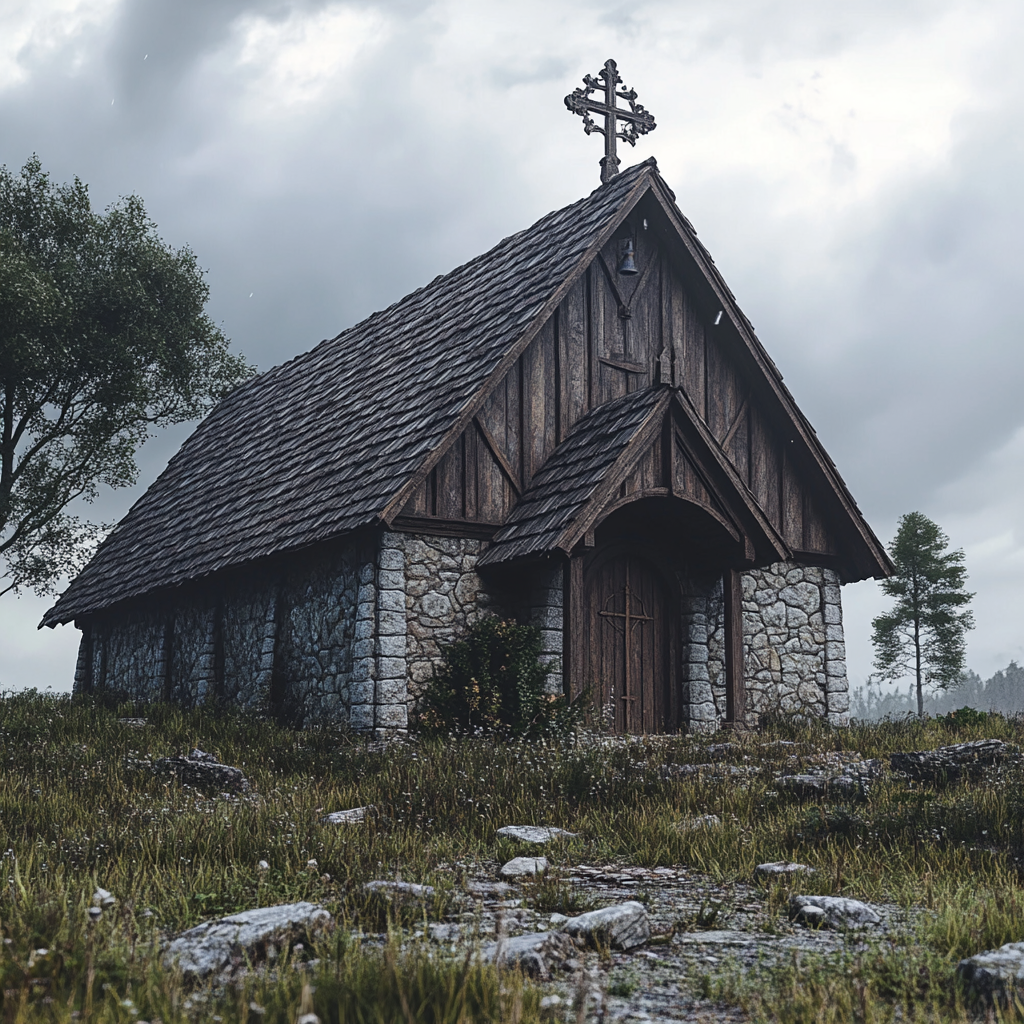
{"x":79,"y":808}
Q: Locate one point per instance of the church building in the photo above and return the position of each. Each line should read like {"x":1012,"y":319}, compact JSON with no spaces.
{"x":577,"y":429}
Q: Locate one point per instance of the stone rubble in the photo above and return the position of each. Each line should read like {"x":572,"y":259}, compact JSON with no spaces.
{"x":353,"y":816}
{"x":622,"y":926}
{"x":782,"y":869}
{"x":832,"y":911}
{"x":953,"y":762}
{"x":389,"y":888}
{"x":203,"y":771}
{"x":520,"y":867}
{"x":538,"y":834}
{"x":216,"y":946}
{"x":996,"y":973}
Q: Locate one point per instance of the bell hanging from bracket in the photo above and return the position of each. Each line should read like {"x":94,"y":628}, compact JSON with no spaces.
{"x":627,"y":264}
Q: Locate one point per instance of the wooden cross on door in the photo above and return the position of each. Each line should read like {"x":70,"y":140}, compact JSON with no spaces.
{"x":637,"y":120}
{"x":629,"y":619}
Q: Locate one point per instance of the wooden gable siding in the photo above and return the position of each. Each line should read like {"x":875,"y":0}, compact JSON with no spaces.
{"x":610,"y":336}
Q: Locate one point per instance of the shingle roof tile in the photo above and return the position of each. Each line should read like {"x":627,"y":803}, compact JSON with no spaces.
{"x":319,"y":445}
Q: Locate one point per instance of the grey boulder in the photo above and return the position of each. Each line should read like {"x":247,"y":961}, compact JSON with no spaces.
{"x":203,"y":771}
{"x":533,"y":833}
{"x":529,"y":952}
{"x":996,"y":972}
{"x":622,"y":926}
{"x":953,"y":762}
{"x":216,"y":945}
{"x":782,"y":869}
{"x":522,"y":867}
{"x":400,"y":889}
{"x":832,"y":911}
{"x":353,"y":816}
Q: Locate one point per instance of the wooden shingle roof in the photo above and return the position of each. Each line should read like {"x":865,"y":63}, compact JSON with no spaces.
{"x":572,"y":474}
{"x":320,"y":445}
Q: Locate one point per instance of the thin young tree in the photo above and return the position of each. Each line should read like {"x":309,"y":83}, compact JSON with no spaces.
{"x":103,"y":336}
{"x":924,"y":635}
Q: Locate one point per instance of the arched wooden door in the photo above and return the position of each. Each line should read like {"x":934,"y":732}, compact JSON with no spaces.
{"x":627,"y":643}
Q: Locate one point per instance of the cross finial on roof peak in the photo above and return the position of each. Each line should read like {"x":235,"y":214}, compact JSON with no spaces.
{"x":638,"y":121}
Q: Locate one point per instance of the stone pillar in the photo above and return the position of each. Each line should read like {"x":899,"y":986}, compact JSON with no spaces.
{"x":546,"y":612}
{"x":698,"y":700}
{"x":837,"y":687}
{"x":205,"y":681}
{"x":361,"y":696}
{"x":391,"y":693}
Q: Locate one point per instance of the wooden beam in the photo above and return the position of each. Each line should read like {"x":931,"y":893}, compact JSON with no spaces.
{"x":735,"y":690}
{"x":735,"y":425}
{"x":388,"y":513}
{"x":622,"y":364}
{"x":499,"y":455}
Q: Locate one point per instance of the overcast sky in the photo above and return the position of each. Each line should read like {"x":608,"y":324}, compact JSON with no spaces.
{"x":854,"y":167}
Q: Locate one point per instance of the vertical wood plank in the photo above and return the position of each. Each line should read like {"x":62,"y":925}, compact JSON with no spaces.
{"x":572,"y":329}
{"x":575,"y":627}
{"x":450,"y":482}
{"x":735,"y":693}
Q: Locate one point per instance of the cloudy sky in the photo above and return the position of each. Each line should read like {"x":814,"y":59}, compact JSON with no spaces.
{"x":855,"y":168}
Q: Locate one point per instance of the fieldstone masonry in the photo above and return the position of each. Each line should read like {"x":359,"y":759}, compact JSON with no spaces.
{"x":795,"y":654}
{"x":353,"y":636}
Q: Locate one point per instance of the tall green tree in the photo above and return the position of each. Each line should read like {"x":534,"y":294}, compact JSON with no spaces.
{"x":103,"y":337}
{"x":925,"y":633}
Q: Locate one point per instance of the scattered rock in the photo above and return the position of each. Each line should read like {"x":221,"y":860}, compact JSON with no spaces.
{"x":132,"y":723}
{"x":102,"y":898}
{"x":353,"y":816}
{"x":701,"y":822}
{"x":951,"y":763}
{"x":996,"y":973}
{"x":783,"y":869}
{"x":820,"y":785}
{"x":204,"y":772}
{"x":833,"y":911}
{"x":717,"y":938}
{"x":399,"y":888}
{"x":216,"y":945}
{"x":521,"y":867}
{"x":717,"y":751}
{"x":528,"y":952}
{"x":488,"y":888}
{"x":444,"y":932}
{"x":622,"y":926}
{"x":534,"y":833}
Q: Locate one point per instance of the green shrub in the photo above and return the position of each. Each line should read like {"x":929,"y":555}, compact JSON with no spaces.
{"x":493,"y":682}
{"x":963,"y":718}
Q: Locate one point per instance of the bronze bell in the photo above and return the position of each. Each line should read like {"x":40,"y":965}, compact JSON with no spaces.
{"x":627,"y":265}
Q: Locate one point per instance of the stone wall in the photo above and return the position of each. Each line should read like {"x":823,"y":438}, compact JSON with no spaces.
{"x":795,"y":655}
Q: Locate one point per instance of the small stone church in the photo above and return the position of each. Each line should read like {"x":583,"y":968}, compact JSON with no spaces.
{"x":578,"y":429}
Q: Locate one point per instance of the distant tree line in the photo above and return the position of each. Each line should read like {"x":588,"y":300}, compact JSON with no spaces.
{"x":1003,"y":692}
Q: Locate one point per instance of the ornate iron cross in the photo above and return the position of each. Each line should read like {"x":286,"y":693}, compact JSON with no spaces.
{"x":637,"y":121}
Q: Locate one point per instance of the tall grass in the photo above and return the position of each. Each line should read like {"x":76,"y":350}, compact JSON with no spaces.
{"x":79,"y":808}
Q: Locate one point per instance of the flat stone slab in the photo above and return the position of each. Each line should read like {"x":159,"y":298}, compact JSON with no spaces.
{"x":353,"y":816}
{"x":534,"y":833}
{"x":717,"y":938}
{"x":703,"y":821}
{"x":783,"y":869}
{"x":203,"y":771}
{"x":832,"y":912}
{"x":953,"y":762}
{"x":529,"y":952}
{"x":996,"y":972}
{"x":523,"y":867}
{"x":622,"y":926}
{"x":213,"y":945}
{"x":399,"y":888}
